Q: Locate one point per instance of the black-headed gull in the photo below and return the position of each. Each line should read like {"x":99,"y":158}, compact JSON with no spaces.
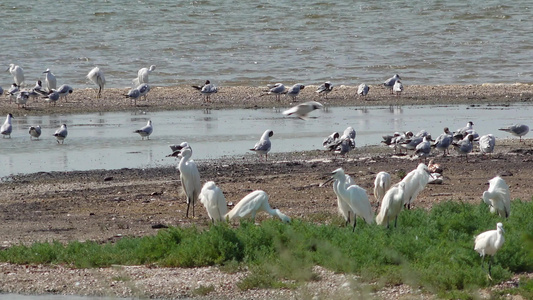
{"x":302,"y":110}
{"x":207,"y":89}
{"x":517,"y":130}
{"x":389,"y":83}
{"x":7,"y":128}
{"x":34,"y":131}
{"x":263,"y":145}
{"x":61,"y":134}
{"x":325,"y":89}
{"x":146,"y":130}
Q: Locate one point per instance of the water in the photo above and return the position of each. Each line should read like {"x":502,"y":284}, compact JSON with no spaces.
{"x":253,"y":43}
{"x":107,"y":141}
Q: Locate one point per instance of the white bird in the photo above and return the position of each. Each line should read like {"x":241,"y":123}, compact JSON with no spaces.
{"x":489,"y":242}
{"x":264,"y":144}
{"x":253,"y":203}
{"x":277,"y":89}
{"x":487,"y":143}
{"x":354,"y":196}
{"x":22,"y":98}
{"x":144,"y":88}
{"x":97,"y":77}
{"x":443,"y":141}
{"x":415,"y":182}
{"x":146,"y":130}
{"x":13,"y":91}
{"x":392,"y":204}
{"x":142,"y":75}
{"x":52,"y":97}
{"x":363,"y":89}
{"x":294,"y":90}
{"x":37,"y":90}
{"x":64,"y":91}
{"x":465,"y":145}
{"x":7,"y":127}
{"x":189,"y":175}
{"x":302,"y":110}
{"x":50,"y":81}
{"x":325,"y":89}
{"x":397,"y":88}
{"x":342,"y":206}
{"x":423,"y":149}
{"x":213,"y":199}
{"x":35,"y":132}
{"x":389,"y":83}
{"x":207,"y":89}
{"x":498,"y":197}
{"x":330,"y":143}
{"x":382,"y":184}
{"x":461,"y":133}
{"x":344,"y":146}
{"x":18,"y":74}
{"x":133,"y":94}
{"x":61,"y":133}
{"x":517,"y":130}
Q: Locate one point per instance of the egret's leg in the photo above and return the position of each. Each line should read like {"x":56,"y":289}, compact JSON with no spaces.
{"x":354,"y":222}
{"x":188,"y":205}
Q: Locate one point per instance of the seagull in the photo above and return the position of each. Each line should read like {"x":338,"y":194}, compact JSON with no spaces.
{"x":133,"y":94}
{"x":64,"y":90}
{"x":344,"y":146}
{"x":35,"y":132}
{"x":517,"y":130}
{"x":276,"y":89}
{"x":52,"y":96}
{"x":18,"y":74}
{"x":61,"y":133}
{"x":465,"y":145}
{"x":142,"y":75}
{"x":461,"y":133}
{"x":294,"y":90}
{"x":146,"y":130}
{"x":487,"y":143}
{"x":301,"y":110}
{"x":363,"y":89}
{"x":22,"y":98}
{"x":12,"y":92}
{"x":207,"y":89}
{"x":144,"y":88}
{"x":330,"y":143}
{"x":50,"y":80}
{"x":443,"y":141}
{"x":263,"y":146}
{"x":423,"y":149}
{"x":389,"y":83}
{"x":398,"y":88}
{"x":7,"y":128}
{"x":325,"y":88}
{"x":97,"y":77}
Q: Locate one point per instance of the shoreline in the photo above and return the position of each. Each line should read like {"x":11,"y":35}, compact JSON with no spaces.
{"x":186,"y":97}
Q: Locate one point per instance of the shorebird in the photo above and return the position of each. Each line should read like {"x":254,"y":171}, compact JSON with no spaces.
{"x":207,"y":89}
{"x":18,"y":74}
{"x":517,"y":130}
{"x":64,"y":91}
{"x":61,"y":134}
{"x":302,"y":110}
{"x":263,"y":145}
{"x":146,"y":130}
{"x":294,"y":90}
{"x":363,"y":89}
{"x":50,"y":80}
{"x":142,"y":75}
{"x":389,"y":83}
{"x":35,"y":132}
{"x":7,"y":128}
{"x":97,"y":77}
{"x":276,"y":89}
{"x":325,"y":89}
{"x":488,"y":243}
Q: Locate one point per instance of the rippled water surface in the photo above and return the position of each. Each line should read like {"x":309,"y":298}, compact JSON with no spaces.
{"x":107,"y":141}
{"x":256,"y":42}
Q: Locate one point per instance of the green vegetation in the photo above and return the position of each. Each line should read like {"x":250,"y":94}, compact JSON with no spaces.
{"x":432,"y":250}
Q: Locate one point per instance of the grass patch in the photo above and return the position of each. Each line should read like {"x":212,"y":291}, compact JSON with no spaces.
{"x":432,"y":250}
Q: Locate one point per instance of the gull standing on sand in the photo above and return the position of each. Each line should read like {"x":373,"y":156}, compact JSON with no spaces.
{"x":461,"y":133}
{"x":363,"y":89}
{"x":50,"y":80}
{"x":52,"y":97}
{"x":517,"y":130}
{"x":464,"y":146}
{"x":443,"y":141}
{"x":325,"y":89}
{"x":97,"y":77}
{"x":487,"y":143}
{"x":145,"y":131}
{"x":144,"y":88}
{"x":133,"y":94}
{"x":64,"y":91}
{"x":22,"y":98}
{"x":7,"y":128}
{"x":35,"y":132}
{"x":277,"y":89}
{"x":423,"y":149}
{"x":294,"y":90}
{"x":398,"y":88}
{"x":264,"y":144}
{"x":389,"y":83}
{"x":331,"y":141}
{"x":302,"y":110}
{"x":18,"y":74}
{"x":61,"y":133}
{"x":13,"y":91}
{"x":142,"y":75}
{"x":207,"y":89}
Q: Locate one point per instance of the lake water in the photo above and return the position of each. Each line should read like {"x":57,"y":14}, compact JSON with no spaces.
{"x":257,"y":42}
{"x":107,"y":141}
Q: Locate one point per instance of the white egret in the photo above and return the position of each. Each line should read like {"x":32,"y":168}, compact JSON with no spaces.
{"x":61,"y":134}
{"x":363,"y":89}
{"x":264,"y":144}
{"x":294,"y":90}
{"x":443,"y":141}
{"x":213,"y":199}
{"x":392,"y":204}
{"x":354,"y":196}
{"x":146,"y":130}
{"x":302,"y":110}
{"x":382,"y":184}
{"x":64,"y":91}
{"x":415,"y":182}
{"x":517,"y":130}
{"x":97,"y":77}
{"x":7,"y":127}
{"x":397,"y":88}
{"x":253,"y":203}
{"x":142,"y":75}
{"x":189,"y":175}
{"x":207,"y":89}
{"x":325,"y":89}
{"x":50,"y":81}
{"x":18,"y":74}
{"x":389,"y":83}
{"x":487,"y":143}
{"x":489,"y":242}
{"x":35,"y":132}
{"x":498,"y":197}
{"x":277,"y":89}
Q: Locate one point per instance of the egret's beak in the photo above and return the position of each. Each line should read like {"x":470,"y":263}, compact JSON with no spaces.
{"x":327,"y":181}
